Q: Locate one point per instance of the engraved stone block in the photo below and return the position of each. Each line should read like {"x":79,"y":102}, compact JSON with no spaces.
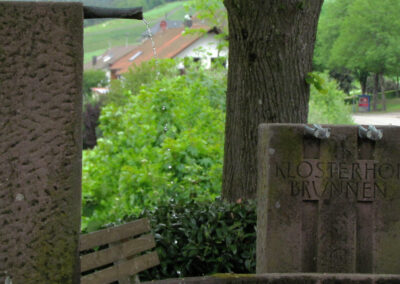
{"x":40,"y":141}
{"x":328,"y":205}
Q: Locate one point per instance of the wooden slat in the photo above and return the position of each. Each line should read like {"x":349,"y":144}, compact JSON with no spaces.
{"x":130,"y":267}
{"x":114,"y":234}
{"x":117,"y":252}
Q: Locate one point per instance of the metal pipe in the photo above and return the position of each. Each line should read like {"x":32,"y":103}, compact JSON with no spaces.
{"x":90,"y":12}
{"x":370,"y":133}
{"x":318,"y":131}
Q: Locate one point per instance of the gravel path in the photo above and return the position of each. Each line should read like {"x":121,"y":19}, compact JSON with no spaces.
{"x":392,"y":118}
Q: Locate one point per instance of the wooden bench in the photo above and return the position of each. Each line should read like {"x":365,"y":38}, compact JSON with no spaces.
{"x":114,"y":253}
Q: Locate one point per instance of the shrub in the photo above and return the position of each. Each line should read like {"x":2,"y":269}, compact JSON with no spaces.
{"x":202,"y":238}
{"x":327,"y":104}
{"x":166,"y":141}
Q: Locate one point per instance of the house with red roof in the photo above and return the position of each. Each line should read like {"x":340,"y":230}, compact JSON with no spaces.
{"x":173,"y":43}
{"x":109,"y":57}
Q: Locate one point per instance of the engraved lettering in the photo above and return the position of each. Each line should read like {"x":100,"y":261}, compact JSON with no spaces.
{"x":355,"y":169}
{"x":379,"y":189}
{"x":353,"y":190}
{"x":343,"y":171}
{"x":315,"y":189}
{"x":386,"y":171}
{"x":305,"y":189}
{"x":336,"y":188}
{"x":307,"y":171}
{"x":320,"y":170}
{"x":367,"y":187}
{"x":370,"y":169}
{"x":279,"y":170}
{"x":295,"y":188}
{"x":331,"y":168}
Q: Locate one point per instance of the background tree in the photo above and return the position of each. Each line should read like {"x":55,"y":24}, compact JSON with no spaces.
{"x":331,"y":19}
{"x":271,"y":45}
{"x":366,"y":41}
{"x":91,"y":106}
{"x":332,"y":16}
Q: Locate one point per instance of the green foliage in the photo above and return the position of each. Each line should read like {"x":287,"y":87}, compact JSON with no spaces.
{"x":138,"y":76}
{"x":330,"y":22}
{"x":93,"y":78}
{"x":329,"y":106}
{"x":165,"y":141}
{"x":368,"y":38}
{"x":215,"y":14}
{"x":316,"y":80}
{"x":198,"y":238}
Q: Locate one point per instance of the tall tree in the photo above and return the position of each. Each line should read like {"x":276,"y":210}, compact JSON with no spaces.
{"x":368,"y":39}
{"x":271,"y":45}
{"x":332,"y":15}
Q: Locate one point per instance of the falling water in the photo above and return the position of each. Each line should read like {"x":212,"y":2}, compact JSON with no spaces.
{"x":164,"y":108}
{"x":153,"y":46}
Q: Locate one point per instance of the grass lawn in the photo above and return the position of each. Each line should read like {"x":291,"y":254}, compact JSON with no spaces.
{"x":88,"y":55}
{"x":392,"y":105}
{"x":99,"y":37}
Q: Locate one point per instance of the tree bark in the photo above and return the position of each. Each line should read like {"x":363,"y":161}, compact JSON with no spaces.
{"x":383,"y":96}
{"x":375,"y":95}
{"x":271,"y":44}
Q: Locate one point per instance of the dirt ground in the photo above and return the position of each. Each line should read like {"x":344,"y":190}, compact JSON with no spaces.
{"x":392,"y":118}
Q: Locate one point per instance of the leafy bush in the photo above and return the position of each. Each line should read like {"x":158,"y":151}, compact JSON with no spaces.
{"x":144,"y":74}
{"x":199,"y":238}
{"x":328,"y":106}
{"x":166,"y":141}
{"x":93,"y":78}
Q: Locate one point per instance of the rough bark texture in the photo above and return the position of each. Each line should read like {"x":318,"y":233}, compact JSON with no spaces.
{"x":40,"y":141}
{"x":271,"y":44}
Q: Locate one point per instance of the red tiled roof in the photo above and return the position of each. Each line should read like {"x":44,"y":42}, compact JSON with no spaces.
{"x":167,"y":43}
{"x":108,"y":57}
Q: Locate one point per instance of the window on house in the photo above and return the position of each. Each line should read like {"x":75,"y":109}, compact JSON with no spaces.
{"x":136,"y":55}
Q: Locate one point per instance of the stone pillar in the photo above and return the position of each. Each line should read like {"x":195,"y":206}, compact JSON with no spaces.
{"x":40,"y":141}
{"x":328,"y":205}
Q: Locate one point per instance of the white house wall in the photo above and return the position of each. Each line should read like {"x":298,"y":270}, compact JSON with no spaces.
{"x":204,"y":48}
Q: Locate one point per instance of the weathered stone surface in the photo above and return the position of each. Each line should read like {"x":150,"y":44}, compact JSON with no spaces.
{"x":40,"y":141}
{"x":287,"y":278}
{"x":328,"y":205}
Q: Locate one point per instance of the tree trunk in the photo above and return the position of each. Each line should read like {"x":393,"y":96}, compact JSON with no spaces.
{"x":271,"y":45}
{"x":363,"y":77}
{"x":375,"y":95}
{"x":383,"y":96}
